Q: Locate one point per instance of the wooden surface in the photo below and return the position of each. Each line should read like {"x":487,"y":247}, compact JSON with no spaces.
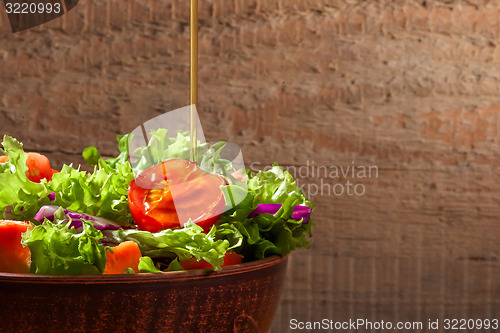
{"x":410,"y":87}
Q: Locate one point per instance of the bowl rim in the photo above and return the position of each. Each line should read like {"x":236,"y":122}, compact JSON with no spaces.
{"x":147,"y":277}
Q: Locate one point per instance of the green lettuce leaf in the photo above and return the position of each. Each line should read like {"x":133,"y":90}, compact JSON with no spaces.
{"x":91,"y":154}
{"x":267,"y":234}
{"x":146,"y":265}
{"x":58,"y":249}
{"x":123,"y":146}
{"x":183,"y":243}
{"x":101,"y":193}
{"x":129,"y":270}
{"x":162,"y":147}
{"x":275,"y":186}
{"x":20,"y":198}
{"x":175,"y":266}
{"x":212,"y":162}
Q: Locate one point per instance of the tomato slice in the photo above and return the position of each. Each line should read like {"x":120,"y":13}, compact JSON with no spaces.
{"x":14,"y":257}
{"x":167,"y":195}
{"x":238,"y":176}
{"x":38,"y":167}
{"x":230,"y":258}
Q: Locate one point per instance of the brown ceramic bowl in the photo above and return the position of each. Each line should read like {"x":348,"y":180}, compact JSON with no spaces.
{"x":240,"y":298}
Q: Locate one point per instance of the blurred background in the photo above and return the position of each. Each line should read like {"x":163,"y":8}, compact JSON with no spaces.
{"x":408,"y":88}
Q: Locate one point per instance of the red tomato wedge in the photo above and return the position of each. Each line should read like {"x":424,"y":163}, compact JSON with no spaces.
{"x":238,"y":176}
{"x":125,"y":255}
{"x":14,"y":258}
{"x":38,"y":167}
{"x":230,"y":258}
{"x":167,"y":195}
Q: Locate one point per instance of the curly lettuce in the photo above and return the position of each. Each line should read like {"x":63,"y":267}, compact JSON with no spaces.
{"x":101,"y":193}
{"x":58,"y":249}
{"x":267,"y":234}
{"x":20,"y":198}
{"x":183,"y":243}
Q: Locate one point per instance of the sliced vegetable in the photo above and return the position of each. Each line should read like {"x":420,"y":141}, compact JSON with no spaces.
{"x":184,"y":243}
{"x":14,"y":257}
{"x":169,"y":194}
{"x":263,"y":235}
{"x":238,"y":176}
{"x":230,"y":258}
{"x":57,"y":248}
{"x":38,"y":167}
{"x":76,"y":218}
{"x":125,"y":255}
{"x":101,"y":193}
{"x":52,"y":196}
{"x":300,"y":213}
{"x":20,"y":198}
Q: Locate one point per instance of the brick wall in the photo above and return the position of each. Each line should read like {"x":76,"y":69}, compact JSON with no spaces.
{"x":408,"y":86}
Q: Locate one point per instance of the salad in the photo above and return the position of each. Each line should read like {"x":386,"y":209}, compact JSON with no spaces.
{"x":158,"y":213}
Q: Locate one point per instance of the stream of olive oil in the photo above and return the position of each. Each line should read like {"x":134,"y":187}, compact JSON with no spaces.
{"x":194,"y":79}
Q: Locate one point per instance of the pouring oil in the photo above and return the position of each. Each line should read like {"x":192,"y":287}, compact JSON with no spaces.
{"x":194,"y":80}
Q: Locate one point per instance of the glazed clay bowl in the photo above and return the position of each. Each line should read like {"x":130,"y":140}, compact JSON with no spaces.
{"x":241,"y":298}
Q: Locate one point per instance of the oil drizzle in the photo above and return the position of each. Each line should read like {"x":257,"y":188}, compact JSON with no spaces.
{"x":194,"y":80}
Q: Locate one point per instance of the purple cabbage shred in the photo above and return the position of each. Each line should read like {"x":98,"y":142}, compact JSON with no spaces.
{"x":299,"y":212}
{"x":100,"y":223}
